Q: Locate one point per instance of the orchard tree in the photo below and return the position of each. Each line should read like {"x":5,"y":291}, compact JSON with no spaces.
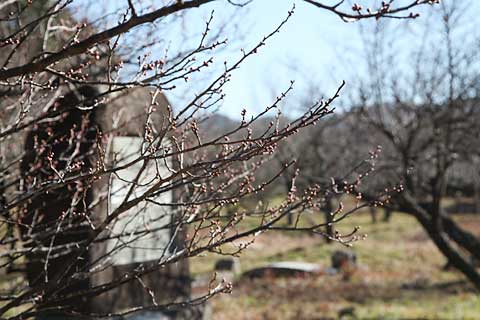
{"x":421,"y":104}
{"x":61,"y":77}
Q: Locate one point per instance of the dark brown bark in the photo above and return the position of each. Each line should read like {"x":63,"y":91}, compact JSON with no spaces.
{"x":440,"y":238}
{"x":455,"y":259}
{"x":462,"y":237}
{"x":328,"y":209}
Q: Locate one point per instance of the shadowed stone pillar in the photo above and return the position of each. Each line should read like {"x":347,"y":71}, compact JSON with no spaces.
{"x":66,"y":145}
{"x":55,"y":149}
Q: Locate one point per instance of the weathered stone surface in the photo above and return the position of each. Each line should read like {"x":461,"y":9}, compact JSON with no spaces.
{"x":123,"y":122}
{"x":198,"y":312}
{"x":230,"y":264}
{"x":343,"y":260}
{"x":283,"y":269}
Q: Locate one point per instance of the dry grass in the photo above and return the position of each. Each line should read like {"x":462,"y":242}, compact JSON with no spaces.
{"x":400,"y":277}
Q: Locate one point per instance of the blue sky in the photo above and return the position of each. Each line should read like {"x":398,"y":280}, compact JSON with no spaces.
{"x":315,"y":48}
{"x":308,"y":50}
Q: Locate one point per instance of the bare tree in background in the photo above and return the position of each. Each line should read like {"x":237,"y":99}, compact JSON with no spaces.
{"x":58,"y":79}
{"x":424,"y":112}
{"x":325,"y":157}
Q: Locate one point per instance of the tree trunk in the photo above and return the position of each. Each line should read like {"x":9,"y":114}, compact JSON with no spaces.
{"x":387,"y":214}
{"x":476,"y":194}
{"x":463,"y":238}
{"x":373,"y":214}
{"x":328,"y":208}
{"x":439,"y":236}
{"x":455,"y":259}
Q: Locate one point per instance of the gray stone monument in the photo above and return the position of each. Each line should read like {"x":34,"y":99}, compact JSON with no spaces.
{"x":138,"y":238}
